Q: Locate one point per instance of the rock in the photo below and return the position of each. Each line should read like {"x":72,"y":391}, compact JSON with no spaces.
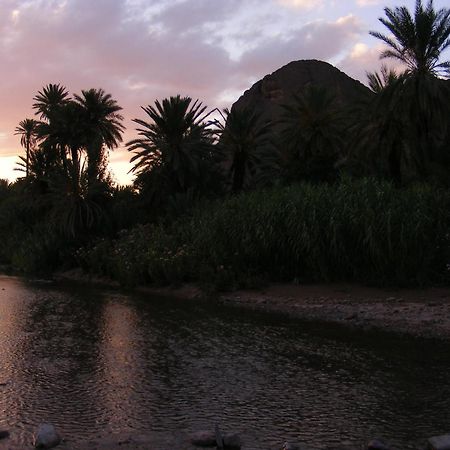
{"x":377,"y":444}
{"x":232,"y":441}
{"x":46,"y":436}
{"x":439,"y":442}
{"x":4,"y":434}
{"x":291,"y":446}
{"x":203,"y":439}
{"x":267,"y":95}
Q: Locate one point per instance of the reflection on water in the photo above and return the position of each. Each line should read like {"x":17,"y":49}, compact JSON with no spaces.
{"x":98,"y":363}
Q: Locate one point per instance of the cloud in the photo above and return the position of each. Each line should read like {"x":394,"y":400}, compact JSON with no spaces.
{"x":82,"y":44}
{"x":307,"y":42}
{"x":197,"y":14}
{"x":369,"y":2}
{"x":140,"y":51}
{"x":362,"y":59}
{"x":301,"y":4}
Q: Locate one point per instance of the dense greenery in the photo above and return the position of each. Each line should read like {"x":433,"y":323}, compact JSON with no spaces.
{"x":324,"y":194}
{"x":366,"y":231}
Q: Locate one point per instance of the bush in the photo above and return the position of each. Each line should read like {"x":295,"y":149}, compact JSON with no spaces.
{"x":362,"y":231}
{"x":39,"y":252}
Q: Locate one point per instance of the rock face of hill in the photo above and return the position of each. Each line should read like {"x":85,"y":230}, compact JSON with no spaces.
{"x":266,"y":95}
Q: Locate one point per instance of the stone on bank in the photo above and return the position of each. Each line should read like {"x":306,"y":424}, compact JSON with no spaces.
{"x":46,"y":436}
{"x":439,"y":442}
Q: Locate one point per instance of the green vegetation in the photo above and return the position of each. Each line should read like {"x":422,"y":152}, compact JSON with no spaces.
{"x":365,"y":231}
{"x":325,"y":194}
{"x":314,"y":134}
{"x":408,"y":121}
{"x":174,"y":156}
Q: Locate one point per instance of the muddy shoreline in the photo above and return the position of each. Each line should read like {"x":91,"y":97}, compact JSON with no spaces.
{"x":417,"y":313}
{"x":414,"y":312}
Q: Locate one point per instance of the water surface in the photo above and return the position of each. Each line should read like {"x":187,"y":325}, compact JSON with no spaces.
{"x":98,"y":363}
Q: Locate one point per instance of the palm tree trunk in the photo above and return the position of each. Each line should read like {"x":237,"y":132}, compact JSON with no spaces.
{"x":238,"y":173}
{"x":28,"y":159}
{"x":395,"y":164}
{"x":94,"y":157}
{"x":76,"y":170}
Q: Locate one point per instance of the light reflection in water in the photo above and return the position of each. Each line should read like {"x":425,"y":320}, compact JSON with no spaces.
{"x":118,"y":375}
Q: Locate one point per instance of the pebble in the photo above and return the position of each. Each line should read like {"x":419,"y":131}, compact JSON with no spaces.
{"x":4,"y":434}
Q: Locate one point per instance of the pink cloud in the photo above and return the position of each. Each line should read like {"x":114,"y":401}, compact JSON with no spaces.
{"x":208,"y":50}
{"x":316,"y":40}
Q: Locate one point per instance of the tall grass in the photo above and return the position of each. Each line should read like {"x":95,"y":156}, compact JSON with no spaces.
{"x":365,"y":231}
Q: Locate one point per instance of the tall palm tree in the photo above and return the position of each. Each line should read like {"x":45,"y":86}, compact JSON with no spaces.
{"x":173,"y":145}
{"x":50,"y":98}
{"x":313,"y":134}
{"x":420,"y":97}
{"x":72,"y":132}
{"x":63,"y":131}
{"x":246,"y":145}
{"x":380,"y":138}
{"x":27,"y":130}
{"x":49,"y":104}
{"x":418,"y":39}
{"x":102,"y":128}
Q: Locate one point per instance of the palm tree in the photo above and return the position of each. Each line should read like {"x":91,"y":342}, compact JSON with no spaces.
{"x":313,"y":134}
{"x":27,"y":130}
{"x":380,"y":139}
{"x":418,"y":96}
{"x":173,"y":146}
{"x":378,"y":82}
{"x":246,"y":145}
{"x":102,"y":128}
{"x":49,"y":105}
{"x":50,"y":98}
{"x":64,"y":131}
{"x":4,"y":188}
{"x":418,"y":40}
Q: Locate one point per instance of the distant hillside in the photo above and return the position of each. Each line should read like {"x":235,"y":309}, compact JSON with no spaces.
{"x":268,"y":94}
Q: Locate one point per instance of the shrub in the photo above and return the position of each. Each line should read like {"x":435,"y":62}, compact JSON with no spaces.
{"x":362,"y":231}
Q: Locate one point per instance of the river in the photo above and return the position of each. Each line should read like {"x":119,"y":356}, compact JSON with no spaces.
{"x":97,"y":363}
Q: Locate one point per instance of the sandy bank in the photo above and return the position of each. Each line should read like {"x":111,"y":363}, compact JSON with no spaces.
{"x":424,"y":313}
{"x":416,"y":312}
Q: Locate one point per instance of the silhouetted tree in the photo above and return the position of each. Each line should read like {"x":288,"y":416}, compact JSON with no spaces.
{"x":27,"y":130}
{"x":378,"y":81}
{"x":173,"y":149}
{"x":418,"y":96}
{"x":417,"y":40}
{"x":50,"y":98}
{"x":102,"y":128}
{"x":313,"y":134}
{"x":247,"y":148}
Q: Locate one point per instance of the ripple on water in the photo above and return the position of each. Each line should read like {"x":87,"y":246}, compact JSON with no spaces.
{"x":97,"y":364}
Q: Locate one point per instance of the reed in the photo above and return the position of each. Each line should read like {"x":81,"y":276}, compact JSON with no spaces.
{"x":364,"y":230}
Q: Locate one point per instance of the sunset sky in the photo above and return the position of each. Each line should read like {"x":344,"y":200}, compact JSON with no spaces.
{"x":142,"y":50}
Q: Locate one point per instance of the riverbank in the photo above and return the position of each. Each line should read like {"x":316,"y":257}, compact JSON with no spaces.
{"x":419,"y":313}
{"x":414,"y":312}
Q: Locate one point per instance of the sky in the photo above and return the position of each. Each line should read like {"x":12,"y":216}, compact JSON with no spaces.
{"x":143,"y":50}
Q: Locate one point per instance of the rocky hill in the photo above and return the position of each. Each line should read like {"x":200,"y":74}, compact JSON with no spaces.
{"x":268,"y":94}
